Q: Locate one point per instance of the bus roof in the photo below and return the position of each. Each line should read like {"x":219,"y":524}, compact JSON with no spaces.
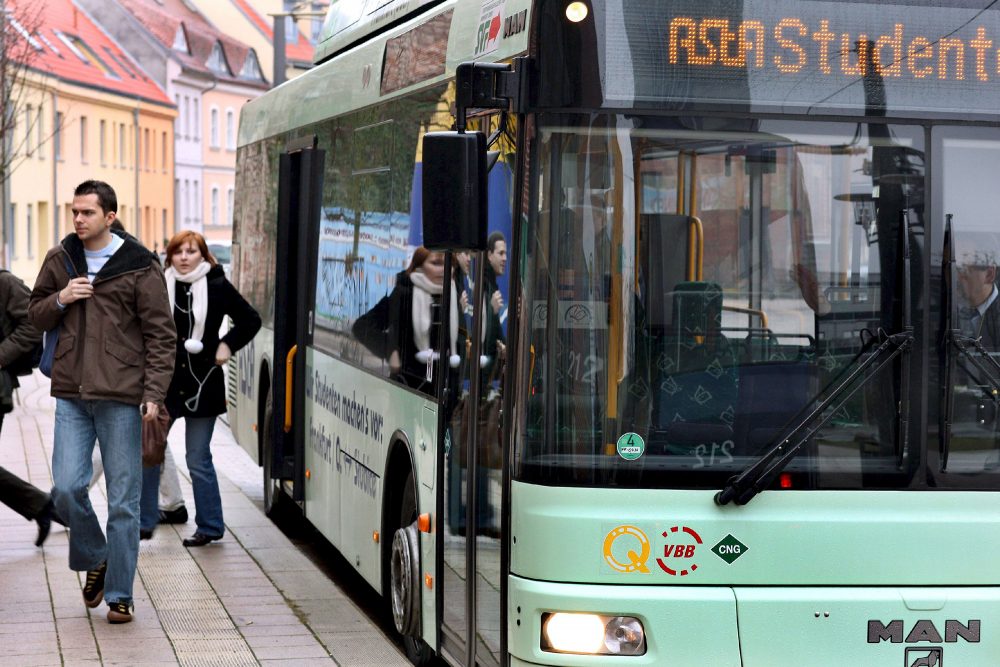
{"x":362,"y":70}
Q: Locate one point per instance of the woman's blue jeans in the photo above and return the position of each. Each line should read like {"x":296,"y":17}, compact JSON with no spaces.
{"x":117,"y":428}
{"x":207,"y":501}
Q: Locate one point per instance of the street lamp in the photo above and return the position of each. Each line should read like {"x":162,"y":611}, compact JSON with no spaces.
{"x":279,"y":38}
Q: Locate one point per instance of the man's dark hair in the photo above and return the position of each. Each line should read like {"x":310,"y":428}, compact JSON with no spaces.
{"x":106,"y":196}
{"x":493,"y":239}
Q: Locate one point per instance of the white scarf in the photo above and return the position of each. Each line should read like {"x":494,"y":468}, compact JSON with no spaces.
{"x":199,"y":294}
{"x":422,"y":293}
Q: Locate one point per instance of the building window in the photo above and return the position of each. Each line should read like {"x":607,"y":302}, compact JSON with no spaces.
{"x":148,"y":158}
{"x":180,"y":40}
{"x":24,"y":33}
{"x":187,"y":202}
{"x":29,"y":113}
{"x":214,"y":115}
{"x":291,"y":30}
{"x":196,"y":131}
{"x":229,"y":206}
{"x":163,"y":154}
{"x":40,"y":134}
{"x":215,"y":206}
{"x":13,"y":231}
{"x":121,"y":145}
{"x":83,"y":51}
{"x":163,"y":230}
{"x":230,"y":129}
{"x":177,"y":203}
{"x":217,"y":61}
{"x":103,"y":138}
{"x":29,"y":235}
{"x":57,"y":136}
{"x":83,"y":139}
{"x":317,"y":21}
{"x":251,"y":68}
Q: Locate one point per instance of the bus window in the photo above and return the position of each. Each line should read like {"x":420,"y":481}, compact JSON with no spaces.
{"x":699,"y":288}
{"x":967,"y":161}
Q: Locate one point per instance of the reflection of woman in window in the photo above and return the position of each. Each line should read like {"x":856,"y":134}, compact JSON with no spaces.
{"x":415,"y":318}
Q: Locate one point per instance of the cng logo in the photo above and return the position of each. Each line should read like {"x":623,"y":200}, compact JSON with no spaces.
{"x":729,"y":549}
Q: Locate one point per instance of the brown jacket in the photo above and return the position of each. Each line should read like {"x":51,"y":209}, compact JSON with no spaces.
{"x":17,"y":336}
{"x":117,"y":345}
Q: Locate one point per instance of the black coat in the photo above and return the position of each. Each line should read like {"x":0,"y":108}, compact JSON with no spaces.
{"x":223,"y":299}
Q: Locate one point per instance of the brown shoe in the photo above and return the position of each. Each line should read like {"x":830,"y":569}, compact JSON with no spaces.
{"x":93,"y":589}
{"x":119,"y":612}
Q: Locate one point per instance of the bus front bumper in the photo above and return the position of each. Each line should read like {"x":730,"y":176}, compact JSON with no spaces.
{"x":717,"y":626}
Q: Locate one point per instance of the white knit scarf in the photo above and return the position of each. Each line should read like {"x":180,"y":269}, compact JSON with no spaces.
{"x":422,"y":297}
{"x":199,"y":294}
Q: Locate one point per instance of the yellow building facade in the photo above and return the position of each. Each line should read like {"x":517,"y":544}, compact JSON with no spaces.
{"x":85,"y":110}
{"x":66,"y":134}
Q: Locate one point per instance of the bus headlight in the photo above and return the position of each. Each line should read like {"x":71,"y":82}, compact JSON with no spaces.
{"x":592,"y":634}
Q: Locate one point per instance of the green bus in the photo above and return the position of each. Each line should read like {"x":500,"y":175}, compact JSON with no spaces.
{"x":639,"y":333}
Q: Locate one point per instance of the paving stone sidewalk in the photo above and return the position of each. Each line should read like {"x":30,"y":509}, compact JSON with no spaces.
{"x":251,"y":599}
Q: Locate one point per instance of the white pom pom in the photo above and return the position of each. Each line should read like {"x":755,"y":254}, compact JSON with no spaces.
{"x":193,"y":346}
{"x":483,"y":360}
{"x":454,"y":360}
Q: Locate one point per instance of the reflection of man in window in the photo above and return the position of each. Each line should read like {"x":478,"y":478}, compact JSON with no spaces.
{"x":980,"y":315}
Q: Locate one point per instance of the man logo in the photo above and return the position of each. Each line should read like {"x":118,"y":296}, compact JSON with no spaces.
{"x":924,"y":657}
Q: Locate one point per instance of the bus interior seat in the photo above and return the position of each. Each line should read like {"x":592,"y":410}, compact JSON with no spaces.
{"x":771,"y":394}
{"x":696,"y":370}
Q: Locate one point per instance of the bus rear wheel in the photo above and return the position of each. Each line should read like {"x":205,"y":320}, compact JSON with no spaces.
{"x":404,"y":578}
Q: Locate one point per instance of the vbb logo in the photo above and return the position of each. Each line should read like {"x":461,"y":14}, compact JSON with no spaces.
{"x":680,"y":551}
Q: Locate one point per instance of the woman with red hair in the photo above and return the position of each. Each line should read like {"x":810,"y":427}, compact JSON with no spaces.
{"x":200,"y":296}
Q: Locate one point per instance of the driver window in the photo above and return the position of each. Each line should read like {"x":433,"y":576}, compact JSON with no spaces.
{"x":969,"y":159}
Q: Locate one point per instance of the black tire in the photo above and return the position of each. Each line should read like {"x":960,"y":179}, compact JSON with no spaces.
{"x":404,"y":579}
{"x":273,"y":495}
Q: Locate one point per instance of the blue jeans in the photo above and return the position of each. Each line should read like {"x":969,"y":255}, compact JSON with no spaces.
{"x":118,"y":429}
{"x":207,"y":501}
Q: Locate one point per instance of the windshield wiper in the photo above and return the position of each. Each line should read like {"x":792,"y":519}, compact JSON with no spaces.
{"x":742,"y":488}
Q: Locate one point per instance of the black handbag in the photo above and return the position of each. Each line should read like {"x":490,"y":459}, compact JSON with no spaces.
{"x":371,"y":329}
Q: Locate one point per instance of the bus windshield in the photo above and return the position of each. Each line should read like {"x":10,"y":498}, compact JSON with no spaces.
{"x":695,"y":287}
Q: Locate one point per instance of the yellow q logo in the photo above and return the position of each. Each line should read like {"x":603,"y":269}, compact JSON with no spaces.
{"x":636,"y":562}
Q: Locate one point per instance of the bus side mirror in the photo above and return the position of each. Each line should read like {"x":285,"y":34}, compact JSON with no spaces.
{"x":454,"y":191}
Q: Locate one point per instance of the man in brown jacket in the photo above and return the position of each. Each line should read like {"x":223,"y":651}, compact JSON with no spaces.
{"x":113,"y":362}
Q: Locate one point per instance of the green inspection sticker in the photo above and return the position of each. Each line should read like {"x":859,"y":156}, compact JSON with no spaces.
{"x":631,"y":446}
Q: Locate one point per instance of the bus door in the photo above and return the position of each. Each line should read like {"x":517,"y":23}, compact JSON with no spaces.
{"x":473,"y":463}
{"x":300,"y":188}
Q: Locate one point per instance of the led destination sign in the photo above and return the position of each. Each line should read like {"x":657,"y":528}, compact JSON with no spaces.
{"x":892,"y":57}
{"x":787,"y":48}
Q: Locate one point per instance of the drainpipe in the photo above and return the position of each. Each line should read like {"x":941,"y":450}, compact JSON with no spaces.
{"x":278,"y":39}
{"x":56,"y":133}
{"x":138,"y":138}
